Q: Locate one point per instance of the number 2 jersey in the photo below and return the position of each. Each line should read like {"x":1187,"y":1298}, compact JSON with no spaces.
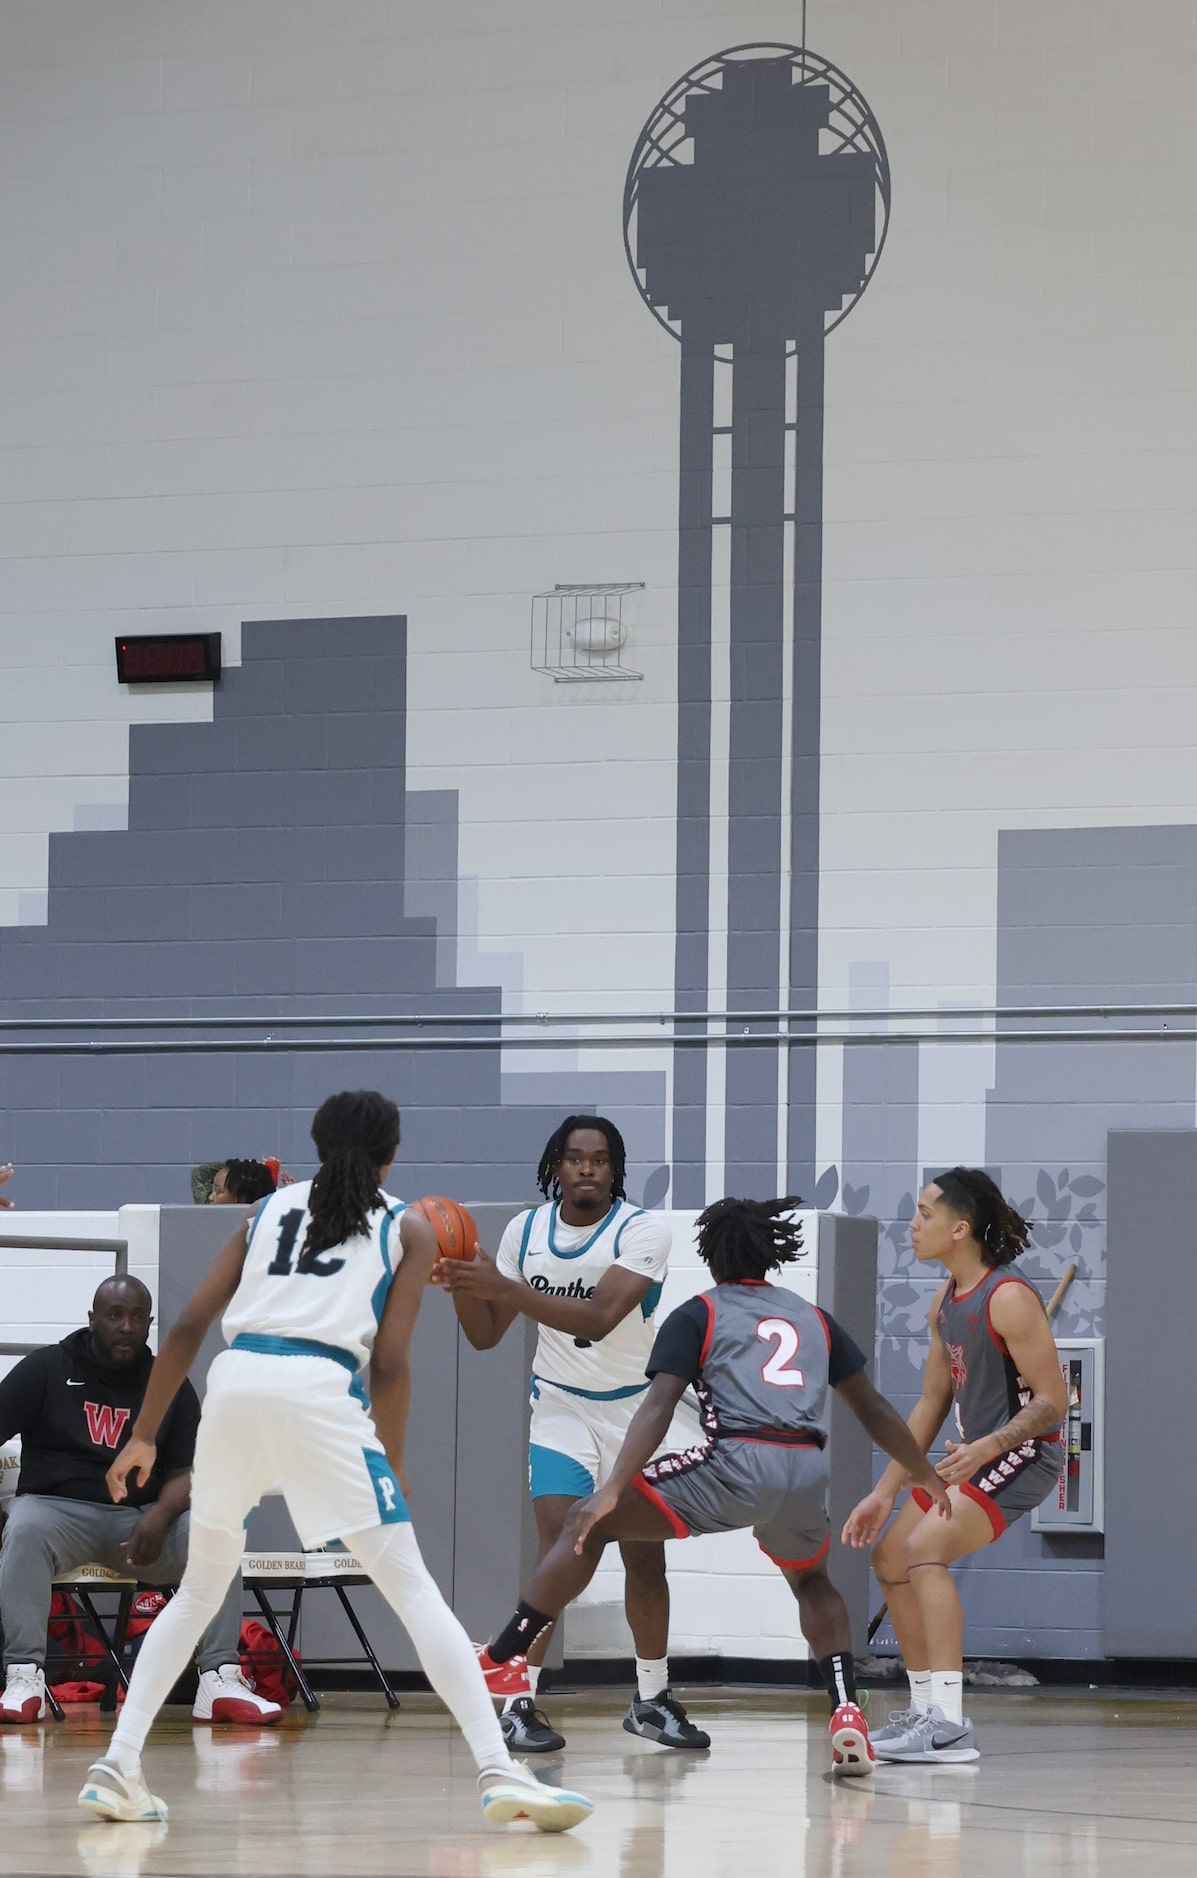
{"x":761,"y":1360}
{"x":562,"y":1261}
{"x":332,"y":1299}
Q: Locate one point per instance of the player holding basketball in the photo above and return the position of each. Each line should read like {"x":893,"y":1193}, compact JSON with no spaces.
{"x":326,"y":1277}
{"x":761,"y":1360}
{"x":993,"y":1362}
{"x":588,"y":1268}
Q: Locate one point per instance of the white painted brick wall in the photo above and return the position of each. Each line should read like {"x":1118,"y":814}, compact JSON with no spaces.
{"x":309,"y":309}
{"x":46,"y":1295}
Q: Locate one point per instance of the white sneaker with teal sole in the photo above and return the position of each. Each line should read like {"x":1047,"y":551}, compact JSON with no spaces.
{"x":518,"y":1794}
{"x":109,"y":1793}
{"x":930,"y":1737}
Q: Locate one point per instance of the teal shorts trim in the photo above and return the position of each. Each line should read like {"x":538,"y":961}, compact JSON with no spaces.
{"x":392,"y":1507}
{"x":553,"y":1473}
{"x":589,"y":1395}
{"x":263,"y":1345}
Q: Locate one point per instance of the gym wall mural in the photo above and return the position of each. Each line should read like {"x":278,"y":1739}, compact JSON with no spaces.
{"x":755,"y":210}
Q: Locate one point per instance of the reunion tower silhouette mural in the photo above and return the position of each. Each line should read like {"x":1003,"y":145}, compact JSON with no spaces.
{"x":755,"y":211}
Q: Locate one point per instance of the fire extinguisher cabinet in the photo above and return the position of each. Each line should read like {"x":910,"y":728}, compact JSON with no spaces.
{"x":1078,"y":1503}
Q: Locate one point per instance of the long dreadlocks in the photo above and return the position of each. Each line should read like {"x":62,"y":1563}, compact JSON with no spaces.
{"x":355,"y":1133}
{"x":741,"y":1239}
{"x":1001,"y":1233}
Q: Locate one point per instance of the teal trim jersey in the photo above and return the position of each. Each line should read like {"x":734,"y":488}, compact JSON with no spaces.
{"x":333,"y":1298}
{"x":539,"y":1249}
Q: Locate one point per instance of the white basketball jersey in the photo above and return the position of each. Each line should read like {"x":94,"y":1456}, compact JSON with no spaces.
{"x":568,"y":1261}
{"x":331,"y":1299}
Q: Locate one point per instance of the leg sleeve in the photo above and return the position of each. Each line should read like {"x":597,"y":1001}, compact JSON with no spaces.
{"x":392,"y":1558}
{"x":221,"y":1640}
{"x":213,"y":1558}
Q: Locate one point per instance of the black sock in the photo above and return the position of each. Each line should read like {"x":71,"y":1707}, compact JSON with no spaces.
{"x":517,"y":1637}
{"x":839,"y":1677}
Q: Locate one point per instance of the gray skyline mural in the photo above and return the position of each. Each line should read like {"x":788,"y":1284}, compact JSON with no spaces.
{"x":266,"y":872}
{"x":755,"y":210}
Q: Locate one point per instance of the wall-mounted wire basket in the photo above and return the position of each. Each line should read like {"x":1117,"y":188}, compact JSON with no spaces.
{"x":579,"y":633}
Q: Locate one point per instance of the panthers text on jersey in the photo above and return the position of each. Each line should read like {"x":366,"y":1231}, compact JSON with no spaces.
{"x":540,"y":1250}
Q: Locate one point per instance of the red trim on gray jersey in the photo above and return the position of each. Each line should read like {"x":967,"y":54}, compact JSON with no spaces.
{"x":997,"y":1518}
{"x":993,"y":1511}
{"x":706,"y":1342}
{"x":953,"y":1296}
{"x":680,"y":1529}
{"x":798,"y":1564}
{"x":1011,"y":1279}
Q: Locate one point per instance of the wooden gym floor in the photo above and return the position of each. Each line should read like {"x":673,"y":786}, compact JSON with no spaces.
{"x":1071,"y":1785}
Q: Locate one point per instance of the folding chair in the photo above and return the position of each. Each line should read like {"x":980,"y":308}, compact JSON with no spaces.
{"x":296,"y":1573}
{"x":83,"y":1583}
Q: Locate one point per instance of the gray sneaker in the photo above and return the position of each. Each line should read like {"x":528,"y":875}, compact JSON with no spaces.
{"x":901,"y":1721}
{"x":526,"y":1730}
{"x":930,"y":1737}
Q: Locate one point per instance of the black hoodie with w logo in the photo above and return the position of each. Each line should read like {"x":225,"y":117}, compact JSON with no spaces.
{"x":73,"y":1416}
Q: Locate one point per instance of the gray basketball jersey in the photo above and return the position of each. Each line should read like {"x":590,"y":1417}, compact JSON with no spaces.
{"x":987,"y":1390}
{"x":764,"y":1364}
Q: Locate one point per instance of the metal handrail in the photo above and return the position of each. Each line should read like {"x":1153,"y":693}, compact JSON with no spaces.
{"x":28,"y":1242}
{"x":999,"y":1013}
{"x":737,"y":1039}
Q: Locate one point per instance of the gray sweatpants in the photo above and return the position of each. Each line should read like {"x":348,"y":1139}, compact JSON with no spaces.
{"x":44,"y":1536}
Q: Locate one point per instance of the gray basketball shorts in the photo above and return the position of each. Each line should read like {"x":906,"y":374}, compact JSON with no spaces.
{"x":1012,"y":1485}
{"x":736,"y":1481}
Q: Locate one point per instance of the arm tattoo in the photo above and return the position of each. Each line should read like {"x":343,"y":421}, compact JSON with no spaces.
{"x":1037,"y":1418}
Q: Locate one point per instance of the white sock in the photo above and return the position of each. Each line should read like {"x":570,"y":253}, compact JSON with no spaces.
{"x":213,"y":1555}
{"x":947,"y":1693}
{"x":392,"y":1558}
{"x":920,"y":1689}
{"x":652,"y":1677}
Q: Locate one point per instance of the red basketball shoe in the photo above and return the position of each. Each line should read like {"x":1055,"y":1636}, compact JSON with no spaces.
{"x":851,"y":1750}
{"x":226,"y":1695}
{"x":509,"y":1678}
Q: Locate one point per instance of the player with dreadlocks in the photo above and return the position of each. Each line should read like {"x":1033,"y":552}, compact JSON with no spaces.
{"x":993,"y":1363}
{"x":325,"y":1280}
{"x":761,"y":1360}
{"x":587,"y":1267}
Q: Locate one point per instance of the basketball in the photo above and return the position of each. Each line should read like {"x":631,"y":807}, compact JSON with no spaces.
{"x":456,"y":1232}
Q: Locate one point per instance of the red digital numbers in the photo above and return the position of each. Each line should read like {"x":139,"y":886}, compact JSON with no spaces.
{"x":169,"y":658}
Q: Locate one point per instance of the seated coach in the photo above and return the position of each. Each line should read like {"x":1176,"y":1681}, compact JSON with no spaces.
{"x":73,"y":1404}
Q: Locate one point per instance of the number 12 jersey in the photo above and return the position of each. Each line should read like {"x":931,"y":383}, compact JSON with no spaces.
{"x":333,"y":1298}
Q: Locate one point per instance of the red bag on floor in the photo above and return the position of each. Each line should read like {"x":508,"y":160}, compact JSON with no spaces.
{"x":70,"y":1634}
{"x":264,"y":1663}
{"x":142,"y":1612}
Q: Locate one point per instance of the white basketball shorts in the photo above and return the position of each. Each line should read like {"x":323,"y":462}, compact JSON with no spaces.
{"x":574,"y":1440}
{"x":299,"y":1423}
